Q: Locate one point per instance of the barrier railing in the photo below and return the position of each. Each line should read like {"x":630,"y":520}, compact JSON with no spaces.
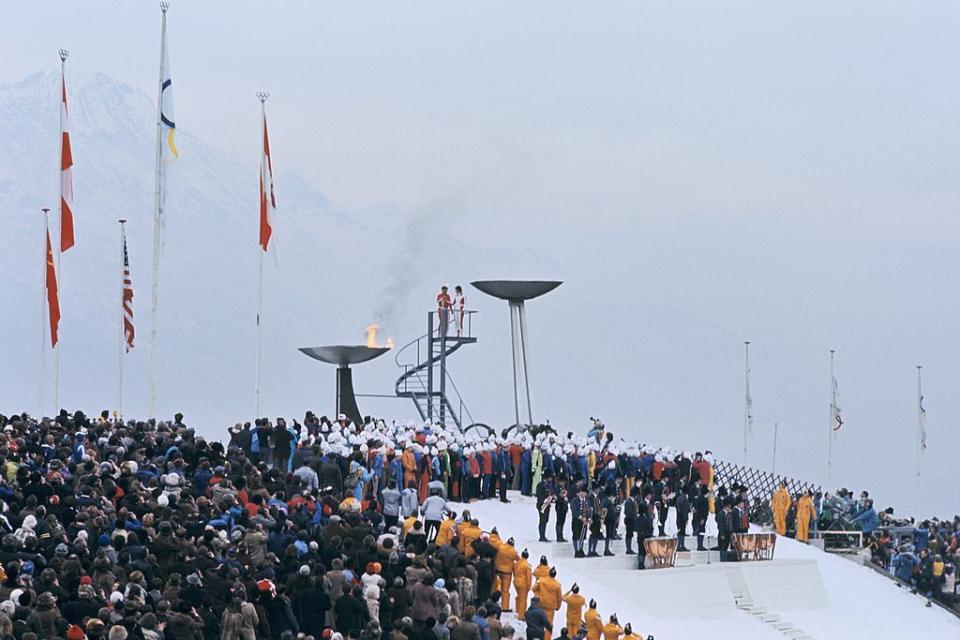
{"x":842,"y":541}
{"x":761,"y":484}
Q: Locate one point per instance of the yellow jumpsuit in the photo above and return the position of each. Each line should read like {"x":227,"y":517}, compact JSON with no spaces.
{"x":575,"y":603}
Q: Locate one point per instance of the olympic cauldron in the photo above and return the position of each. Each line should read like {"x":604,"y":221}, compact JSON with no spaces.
{"x":343,"y":356}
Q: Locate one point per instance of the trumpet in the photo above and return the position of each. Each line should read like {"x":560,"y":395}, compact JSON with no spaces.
{"x":546,"y":504}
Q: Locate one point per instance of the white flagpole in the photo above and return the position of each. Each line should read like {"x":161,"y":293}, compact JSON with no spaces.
{"x":157,"y":218}
{"x":123,"y":243}
{"x":262,"y":95}
{"x":916,"y":487}
{"x":747,"y":400}
{"x":56,"y":349}
{"x":43,"y":313}
{"x":776,"y":427}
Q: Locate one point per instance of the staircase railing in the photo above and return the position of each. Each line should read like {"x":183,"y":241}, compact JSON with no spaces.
{"x":417,"y":359}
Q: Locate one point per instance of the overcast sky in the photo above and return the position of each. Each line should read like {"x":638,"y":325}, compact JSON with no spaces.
{"x":699,"y":176}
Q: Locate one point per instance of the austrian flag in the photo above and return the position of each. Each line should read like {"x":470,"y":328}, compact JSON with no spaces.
{"x":66,"y":177}
{"x":268,"y":203}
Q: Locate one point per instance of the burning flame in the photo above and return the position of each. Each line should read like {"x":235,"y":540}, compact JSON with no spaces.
{"x":372,"y":329}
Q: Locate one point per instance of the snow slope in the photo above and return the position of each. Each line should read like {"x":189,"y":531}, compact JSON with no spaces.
{"x":823,"y":595}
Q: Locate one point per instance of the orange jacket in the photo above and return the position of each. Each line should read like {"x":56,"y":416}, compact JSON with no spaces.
{"x":445,"y":534}
{"x":575,"y":603}
{"x":549,"y":592}
{"x":409,"y":462}
{"x":521,"y":575}
{"x":612,"y":631}
{"x":594,"y":624}
{"x":506,"y":558}
{"x":542,"y":571}
{"x":470,"y":535}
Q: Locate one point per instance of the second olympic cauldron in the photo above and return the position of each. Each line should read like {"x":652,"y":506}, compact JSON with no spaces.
{"x":343,"y":356}
{"x":516,"y":292}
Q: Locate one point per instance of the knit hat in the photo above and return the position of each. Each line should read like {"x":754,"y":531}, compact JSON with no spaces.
{"x":75,"y":632}
{"x":148,"y":621}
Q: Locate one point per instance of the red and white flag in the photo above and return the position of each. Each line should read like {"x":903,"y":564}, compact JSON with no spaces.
{"x":268,"y":203}
{"x":53,"y":296}
{"x":66,"y":177}
{"x":127,"y":302}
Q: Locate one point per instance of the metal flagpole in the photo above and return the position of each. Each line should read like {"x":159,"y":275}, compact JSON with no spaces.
{"x":56,"y":349}
{"x":157,"y":218}
{"x":123,"y":275}
{"x":916,"y":487}
{"x":43,"y":313}
{"x":747,"y":400}
{"x":262,"y":95}
{"x":773,"y":468}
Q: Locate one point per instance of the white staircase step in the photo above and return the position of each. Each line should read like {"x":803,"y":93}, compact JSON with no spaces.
{"x":783,"y":626}
{"x":796,"y":634}
{"x":770,"y":618}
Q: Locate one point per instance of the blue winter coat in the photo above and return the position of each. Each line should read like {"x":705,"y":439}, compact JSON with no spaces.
{"x":868,"y":520}
{"x":905,"y":564}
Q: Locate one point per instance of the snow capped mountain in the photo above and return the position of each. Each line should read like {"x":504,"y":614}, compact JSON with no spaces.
{"x":208,"y":277}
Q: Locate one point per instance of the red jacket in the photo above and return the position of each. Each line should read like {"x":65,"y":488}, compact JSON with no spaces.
{"x":487,"y":458}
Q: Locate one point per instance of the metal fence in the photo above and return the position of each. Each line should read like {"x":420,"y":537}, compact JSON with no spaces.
{"x":761,"y":484}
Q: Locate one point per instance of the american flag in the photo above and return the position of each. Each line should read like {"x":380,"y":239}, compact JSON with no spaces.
{"x":128,"y":330}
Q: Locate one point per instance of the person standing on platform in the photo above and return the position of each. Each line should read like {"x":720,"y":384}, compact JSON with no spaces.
{"x":644,"y":527}
{"x":580,"y":518}
{"x":611,"y":519}
{"x":805,"y":513}
{"x":562,"y":506}
{"x":701,"y":509}
{"x":630,"y":518}
{"x":780,"y":504}
{"x":545,"y":499}
{"x":444,"y":306}
{"x":682,"y":504}
{"x":459,"y":306}
{"x":725,"y":527}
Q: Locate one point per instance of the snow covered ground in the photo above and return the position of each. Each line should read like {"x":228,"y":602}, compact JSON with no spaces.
{"x":818,"y":594}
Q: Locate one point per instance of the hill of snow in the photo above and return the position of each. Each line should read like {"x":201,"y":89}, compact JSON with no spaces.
{"x":825,"y":596}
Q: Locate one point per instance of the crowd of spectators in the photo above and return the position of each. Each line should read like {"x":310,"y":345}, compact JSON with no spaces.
{"x":144,"y":529}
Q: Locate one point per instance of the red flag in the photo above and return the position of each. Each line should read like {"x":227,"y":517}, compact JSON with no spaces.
{"x":53,"y":297}
{"x":268,"y":203}
{"x":128,"y":330}
{"x":66,"y":177}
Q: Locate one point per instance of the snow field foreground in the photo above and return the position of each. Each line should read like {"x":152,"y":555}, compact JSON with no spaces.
{"x":802,"y":593}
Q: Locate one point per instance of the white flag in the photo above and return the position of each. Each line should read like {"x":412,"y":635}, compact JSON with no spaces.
{"x":167,"y":118}
{"x":836,"y":420}
{"x":923,"y":425}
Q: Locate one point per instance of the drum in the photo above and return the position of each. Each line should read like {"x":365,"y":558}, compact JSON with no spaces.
{"x":661,"y":551}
